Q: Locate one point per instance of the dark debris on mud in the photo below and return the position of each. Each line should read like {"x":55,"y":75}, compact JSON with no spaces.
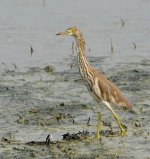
{"x":76,"y":136}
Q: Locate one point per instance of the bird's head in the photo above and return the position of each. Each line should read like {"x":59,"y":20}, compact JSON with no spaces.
{"x":70,"y":31}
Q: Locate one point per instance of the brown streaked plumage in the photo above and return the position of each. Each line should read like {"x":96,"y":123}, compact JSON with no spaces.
{"x":101,"y":89}
{"x":109,"y":91}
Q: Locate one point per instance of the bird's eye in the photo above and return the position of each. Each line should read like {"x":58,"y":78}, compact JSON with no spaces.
{"x":69,"y":30}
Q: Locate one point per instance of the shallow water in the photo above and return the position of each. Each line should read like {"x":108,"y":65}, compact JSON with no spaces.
{"x":31,"y":98}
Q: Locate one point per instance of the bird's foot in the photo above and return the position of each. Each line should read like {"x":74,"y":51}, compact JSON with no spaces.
{"x":123,"y":133}
{"x":98,"y":127}
{"x":98,"y":136}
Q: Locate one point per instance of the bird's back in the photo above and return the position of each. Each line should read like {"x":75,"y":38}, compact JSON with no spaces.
{"x":107,"y":91}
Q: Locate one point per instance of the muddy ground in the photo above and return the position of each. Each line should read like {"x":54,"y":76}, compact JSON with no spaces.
{"x":35,"y":103}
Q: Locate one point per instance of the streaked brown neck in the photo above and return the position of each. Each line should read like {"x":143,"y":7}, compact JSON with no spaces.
{"x":84,"y":67}
{"x":82,"y":61}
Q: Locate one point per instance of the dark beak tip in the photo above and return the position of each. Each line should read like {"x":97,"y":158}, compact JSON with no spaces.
{"x":58,"y":34}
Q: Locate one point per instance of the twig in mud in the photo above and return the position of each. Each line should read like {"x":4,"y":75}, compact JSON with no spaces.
{"x":88,"y":122}
{"x":71,"y":65}
{"x":122,"y":22}
{"x":48,"y":138}
{"x":7,"y":70}
{"x":73,"y":51}
{"x":141,"y":109}
{"x":15,"y":66}
{"x":134,"y":45}
{"x":137,"y":124}
{"x":111,"y":47}
{"x":73,"y":121}
{"x":20,"y":117}
{"x":43,"y":3}
{"x":57,"y":118}
{"x":31,"y":50}
{"x":72,"y":47}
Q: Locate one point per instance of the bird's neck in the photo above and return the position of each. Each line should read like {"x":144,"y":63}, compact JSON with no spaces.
{"x":84,"y":67}
{"x":82,"y":61}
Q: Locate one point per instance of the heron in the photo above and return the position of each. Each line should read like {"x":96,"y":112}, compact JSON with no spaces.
{"x":101,"y":89}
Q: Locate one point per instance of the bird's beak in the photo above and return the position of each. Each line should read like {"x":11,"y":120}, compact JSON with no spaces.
{"x":63,"y":33}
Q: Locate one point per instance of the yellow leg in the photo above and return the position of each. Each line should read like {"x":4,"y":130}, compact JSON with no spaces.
{"x":123,"y":133}
{"x":98,"y":126}
{"x":107,"y":105}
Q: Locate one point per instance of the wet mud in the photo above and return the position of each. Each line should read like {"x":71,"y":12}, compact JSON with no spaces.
{"x":37,"y":102}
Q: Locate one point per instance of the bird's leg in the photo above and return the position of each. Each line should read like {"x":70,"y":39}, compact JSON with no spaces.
{"x":98,"y":126}
{"x":107,"y":105}
{"x":123,"y":133}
